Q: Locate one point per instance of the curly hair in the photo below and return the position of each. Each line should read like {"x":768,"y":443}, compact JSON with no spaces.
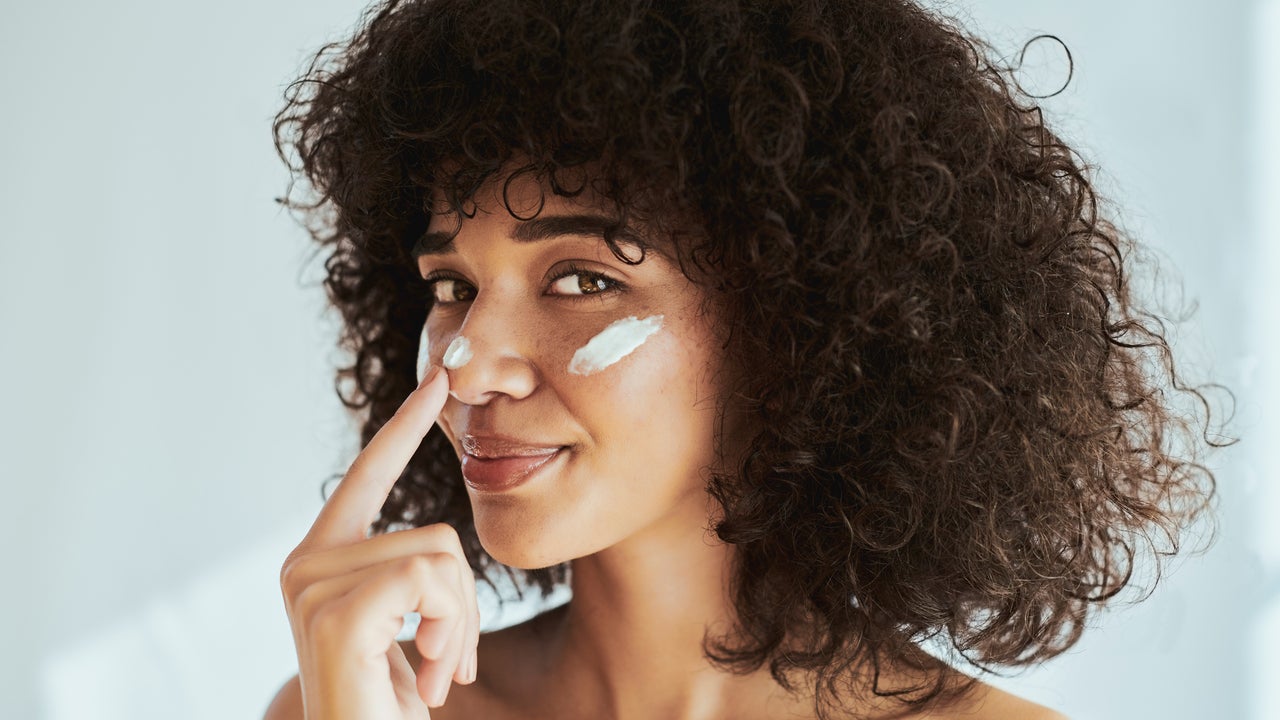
{"x":963,"y":431}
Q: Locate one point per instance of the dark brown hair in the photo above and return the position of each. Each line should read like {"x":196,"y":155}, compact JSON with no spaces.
{"x":966,"y":421}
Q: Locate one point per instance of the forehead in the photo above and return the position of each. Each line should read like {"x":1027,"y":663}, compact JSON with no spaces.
{"x":532,"y":210}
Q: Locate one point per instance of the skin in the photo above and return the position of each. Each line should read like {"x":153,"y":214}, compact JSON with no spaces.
{"x":626,"y":504}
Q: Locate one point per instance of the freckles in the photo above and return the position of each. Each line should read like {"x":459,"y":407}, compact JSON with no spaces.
{"x":613,"y":343}
{"x":458,"y":353}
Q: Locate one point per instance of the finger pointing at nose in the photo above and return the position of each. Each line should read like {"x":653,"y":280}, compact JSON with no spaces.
{"x":360,"y":495}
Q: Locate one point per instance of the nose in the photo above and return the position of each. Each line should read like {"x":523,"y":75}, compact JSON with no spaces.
{"x":499,"y":362}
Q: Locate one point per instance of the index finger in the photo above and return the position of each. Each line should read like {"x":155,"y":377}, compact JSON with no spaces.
{"x":360,"y":495}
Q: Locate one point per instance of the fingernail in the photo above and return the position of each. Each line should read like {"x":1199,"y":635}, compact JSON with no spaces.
{"x":471,"y":674}
{"x":467,"y":663}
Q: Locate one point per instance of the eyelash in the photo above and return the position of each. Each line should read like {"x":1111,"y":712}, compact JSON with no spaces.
{"x":429,"y":284}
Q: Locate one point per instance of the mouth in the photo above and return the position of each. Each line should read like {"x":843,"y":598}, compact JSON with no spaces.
{"x":496,"y":447}
{"x":497,"y":474}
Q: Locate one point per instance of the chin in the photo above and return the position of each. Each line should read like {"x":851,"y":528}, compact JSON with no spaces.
{"x":528,"y":561}
{"x":517,"y":548}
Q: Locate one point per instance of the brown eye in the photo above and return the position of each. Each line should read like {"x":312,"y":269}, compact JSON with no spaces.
{"x":445,"y":290}
{"x":575,"y":281}
{"x":596,"y":284}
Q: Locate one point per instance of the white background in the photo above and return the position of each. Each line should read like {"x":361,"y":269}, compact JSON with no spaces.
{"x":168,"y":403}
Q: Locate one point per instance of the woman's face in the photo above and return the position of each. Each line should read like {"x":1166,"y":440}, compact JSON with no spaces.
{"x":636,"y":408}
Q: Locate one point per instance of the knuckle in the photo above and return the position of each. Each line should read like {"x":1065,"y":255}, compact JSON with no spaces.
{"x":435,"y":571}
{"x":444,"y":533}
{"x":306,"y":606}
{"x":291,"y":576}
{"x":419,"y":568}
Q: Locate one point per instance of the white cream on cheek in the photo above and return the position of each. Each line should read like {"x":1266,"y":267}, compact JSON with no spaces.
{"x":613,"y":343}
{"x":458,"y":353}
{"x":424,"y":354}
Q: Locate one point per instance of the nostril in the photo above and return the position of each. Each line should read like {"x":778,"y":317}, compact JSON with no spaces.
{"x":474,"y":401}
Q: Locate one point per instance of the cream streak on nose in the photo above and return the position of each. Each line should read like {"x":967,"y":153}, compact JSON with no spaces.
{"x":613,"y":343}
{"x":458,"y":353}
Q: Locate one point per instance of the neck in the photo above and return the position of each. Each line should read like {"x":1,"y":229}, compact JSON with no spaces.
{"x":630,"y":640}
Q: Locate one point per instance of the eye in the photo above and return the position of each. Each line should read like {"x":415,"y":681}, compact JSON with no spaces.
{"x":588,"y":283}
{"x":444,"y":289}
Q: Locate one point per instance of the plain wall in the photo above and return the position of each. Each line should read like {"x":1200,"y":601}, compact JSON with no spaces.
{"x":169,"y":414}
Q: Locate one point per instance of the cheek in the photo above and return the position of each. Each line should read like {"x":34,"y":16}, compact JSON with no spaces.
{"x":645,"y":376}
{"x":650,"y":418}
{"x":635,"y":359}
{"x":424,"y":353}
{"x":616,"y":341}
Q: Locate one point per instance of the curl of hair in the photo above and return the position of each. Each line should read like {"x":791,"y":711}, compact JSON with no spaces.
{"x":962,"y":426}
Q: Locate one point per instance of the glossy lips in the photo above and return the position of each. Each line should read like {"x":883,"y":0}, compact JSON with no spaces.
{"x":498,"y":462}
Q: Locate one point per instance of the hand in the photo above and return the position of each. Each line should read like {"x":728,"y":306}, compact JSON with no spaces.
{"x":346,"y":595}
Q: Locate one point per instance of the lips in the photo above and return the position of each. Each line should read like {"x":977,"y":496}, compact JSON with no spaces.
{"x":503,"y":473}
{"x":492,"y":462}
{"x":490,"y":447}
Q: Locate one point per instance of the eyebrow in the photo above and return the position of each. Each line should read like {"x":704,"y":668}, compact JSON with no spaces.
{"x":542,"y":228}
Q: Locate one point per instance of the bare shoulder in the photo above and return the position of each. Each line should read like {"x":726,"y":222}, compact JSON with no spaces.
{"x":988,"y":702}
{"x":287,"y":704}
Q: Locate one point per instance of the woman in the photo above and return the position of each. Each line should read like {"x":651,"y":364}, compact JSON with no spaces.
{"x":782,"y":332}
